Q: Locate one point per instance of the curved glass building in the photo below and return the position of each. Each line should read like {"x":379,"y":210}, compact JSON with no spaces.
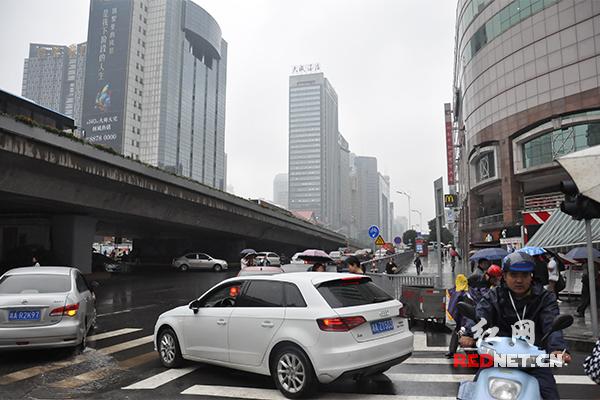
{"x":526,"y":91}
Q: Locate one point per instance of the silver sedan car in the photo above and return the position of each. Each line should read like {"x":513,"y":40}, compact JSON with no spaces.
{"x":199,"y":261}
{"x":45,"y":307}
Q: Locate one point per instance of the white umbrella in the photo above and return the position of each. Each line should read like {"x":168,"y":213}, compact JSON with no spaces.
{"x":580,"y":166}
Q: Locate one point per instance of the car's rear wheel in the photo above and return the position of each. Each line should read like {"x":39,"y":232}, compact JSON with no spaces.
{"x":168,"y":349}
{"x":217,"y":268}
{"x":183,"y":267}
{"x":293,"y":373}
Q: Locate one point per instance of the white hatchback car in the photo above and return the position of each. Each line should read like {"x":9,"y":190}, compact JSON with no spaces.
{"x":300,"y":328}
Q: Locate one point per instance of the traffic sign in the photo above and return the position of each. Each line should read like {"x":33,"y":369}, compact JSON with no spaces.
{"x":397,"y":240}
{"x":373,"y":231}
{"x":379,"y":241}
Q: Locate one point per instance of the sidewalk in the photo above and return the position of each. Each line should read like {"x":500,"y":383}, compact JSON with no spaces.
{"x":578,"y":335}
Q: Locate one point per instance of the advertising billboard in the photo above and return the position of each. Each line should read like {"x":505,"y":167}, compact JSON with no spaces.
{"x":449,"y":144}
{"x":103,"y":114}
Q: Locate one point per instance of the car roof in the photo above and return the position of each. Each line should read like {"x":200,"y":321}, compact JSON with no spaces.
{"x":314,"y":278}
{"x":43,"y":270}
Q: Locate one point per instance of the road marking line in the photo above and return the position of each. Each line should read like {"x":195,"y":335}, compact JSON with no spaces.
{"x":33,"y":371}
{"x":113,"y":313}
{"x":425,"y":360}
{"x":160,"y":379}
{"x":110,"y":334}
{"x":126,"y":345}
{"x":272,"y":394}
{"x":101,"y":373}
{"x":139,"y":360}
{"x":456,"y":378}
{"x":81,"y":379}
{"x":420,"y":344}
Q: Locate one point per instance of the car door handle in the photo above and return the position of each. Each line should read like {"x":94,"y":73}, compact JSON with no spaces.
{"x":221,"y":322}
{"x":267,"y":324}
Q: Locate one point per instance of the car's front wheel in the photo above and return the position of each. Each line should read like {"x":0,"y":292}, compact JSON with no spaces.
{"x":293,"y":373}
{"x":168,"y":349}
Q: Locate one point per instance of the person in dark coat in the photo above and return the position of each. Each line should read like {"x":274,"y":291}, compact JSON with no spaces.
{"x":519,"y":298}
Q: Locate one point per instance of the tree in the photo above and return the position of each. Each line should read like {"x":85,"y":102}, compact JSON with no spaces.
{"x":447,"y":236}
{"x":408,"y":238}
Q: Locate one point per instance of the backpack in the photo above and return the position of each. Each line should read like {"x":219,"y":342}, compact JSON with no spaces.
{"x":560,"y":283}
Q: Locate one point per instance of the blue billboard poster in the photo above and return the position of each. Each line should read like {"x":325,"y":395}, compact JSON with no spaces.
{"x":103,"y":113}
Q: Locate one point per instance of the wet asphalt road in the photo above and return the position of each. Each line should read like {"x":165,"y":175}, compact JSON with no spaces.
{"x":120,"y":353}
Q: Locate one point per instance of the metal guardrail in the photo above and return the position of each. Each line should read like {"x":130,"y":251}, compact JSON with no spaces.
{"x":399,"y":259}
{"x":393,"y":284}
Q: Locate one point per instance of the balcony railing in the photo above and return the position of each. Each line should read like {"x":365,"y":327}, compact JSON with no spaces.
{"x":490,"y":220}
{"x":546,"y":201}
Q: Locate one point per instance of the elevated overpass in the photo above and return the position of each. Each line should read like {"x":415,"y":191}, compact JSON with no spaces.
{"x":66,"y":192}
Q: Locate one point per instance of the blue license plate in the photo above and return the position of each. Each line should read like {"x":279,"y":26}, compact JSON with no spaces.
{"x":23,"y":315}
{"x":383,"y":325}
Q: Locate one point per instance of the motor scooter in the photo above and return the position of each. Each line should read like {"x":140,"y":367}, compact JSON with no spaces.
{"x":508,"y":383}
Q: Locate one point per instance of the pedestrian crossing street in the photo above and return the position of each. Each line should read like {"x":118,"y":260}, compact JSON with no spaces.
{"x":123,"y":363}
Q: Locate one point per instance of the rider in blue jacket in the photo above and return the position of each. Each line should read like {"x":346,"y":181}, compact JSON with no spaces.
{"x":516,"y":299}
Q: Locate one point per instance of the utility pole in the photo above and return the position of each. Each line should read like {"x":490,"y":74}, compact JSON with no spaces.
{"x":408,"y":197}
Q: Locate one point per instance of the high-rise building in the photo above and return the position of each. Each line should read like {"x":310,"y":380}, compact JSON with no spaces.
{"x":526,"y":92}
{"x":280,"y":190}
{"x":53,"y":77}
{"x":155,"y":85}
{"x":314,"y":150}
{"x":385,"y":211}
{"x":345,"y":209}
{"x":368,"y":195}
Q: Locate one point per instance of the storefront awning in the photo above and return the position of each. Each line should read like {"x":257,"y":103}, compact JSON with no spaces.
{"x":562,"y":231}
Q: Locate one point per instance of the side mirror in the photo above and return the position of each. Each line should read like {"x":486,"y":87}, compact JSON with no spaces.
{"x":560,"y":322}
{"x":467,"y":310}
{"x":94,"y":284}
{"x":195,"y":306}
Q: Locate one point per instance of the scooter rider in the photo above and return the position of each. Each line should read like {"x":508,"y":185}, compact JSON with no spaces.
{"x":516,"y":299}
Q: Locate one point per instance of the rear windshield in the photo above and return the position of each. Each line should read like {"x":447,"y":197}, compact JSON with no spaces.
{"x":35,"y":283}
{"x":349,"y":293}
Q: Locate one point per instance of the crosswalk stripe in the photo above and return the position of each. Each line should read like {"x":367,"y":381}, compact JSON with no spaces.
{"x":110,"y":334}
{"x":456,"y":378}
{"x":271,"y":394}
{"x":160,"y":379}
{"x":139,"y":360}
{"x":101,"y":373}
{"x":80,"y":380}
{"x":420,"y":344}
{"x":42,"y":369}
{"x":126,"y":345}
{"x":425,"y":360}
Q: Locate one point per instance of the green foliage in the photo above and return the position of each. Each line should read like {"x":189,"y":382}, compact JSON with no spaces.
{"x":447,"y":236}
{"x":408,"y":237}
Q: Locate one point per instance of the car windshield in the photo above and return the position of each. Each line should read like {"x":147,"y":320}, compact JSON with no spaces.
{"x":352,"y":292}
{"x":35,"y":283}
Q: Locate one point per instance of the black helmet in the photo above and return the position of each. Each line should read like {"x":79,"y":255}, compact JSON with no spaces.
{"x":518,"y":262}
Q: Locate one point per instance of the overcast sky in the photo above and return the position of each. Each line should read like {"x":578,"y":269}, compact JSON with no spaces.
{"x":390,"y":62}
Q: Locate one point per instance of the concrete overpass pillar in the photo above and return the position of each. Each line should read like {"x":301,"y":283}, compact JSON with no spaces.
{"x":72,"y":238}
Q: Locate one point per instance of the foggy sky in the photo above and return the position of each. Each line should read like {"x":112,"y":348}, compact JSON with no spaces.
{"x":390,"y":62}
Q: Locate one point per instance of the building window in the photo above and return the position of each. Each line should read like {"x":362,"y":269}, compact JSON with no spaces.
{"x":548,"y":147}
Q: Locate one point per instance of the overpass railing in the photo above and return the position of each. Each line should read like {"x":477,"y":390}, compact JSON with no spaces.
{"x":393,"y":284}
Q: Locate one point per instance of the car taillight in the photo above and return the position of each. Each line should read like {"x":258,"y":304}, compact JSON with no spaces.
{"x":402,"y":313}
{"x":69,"y":310}
{"x":340,"y":324}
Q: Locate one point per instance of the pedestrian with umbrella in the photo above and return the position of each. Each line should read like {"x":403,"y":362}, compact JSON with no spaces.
{"x":248,"y":256}
{"x":580,"y":254}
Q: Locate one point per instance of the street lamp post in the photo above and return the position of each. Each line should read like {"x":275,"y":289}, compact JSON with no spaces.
{"x":407,"y":196}
{"x":420,"y":219}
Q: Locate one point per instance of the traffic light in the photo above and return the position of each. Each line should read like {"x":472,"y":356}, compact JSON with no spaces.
{"x":577,"y":205}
